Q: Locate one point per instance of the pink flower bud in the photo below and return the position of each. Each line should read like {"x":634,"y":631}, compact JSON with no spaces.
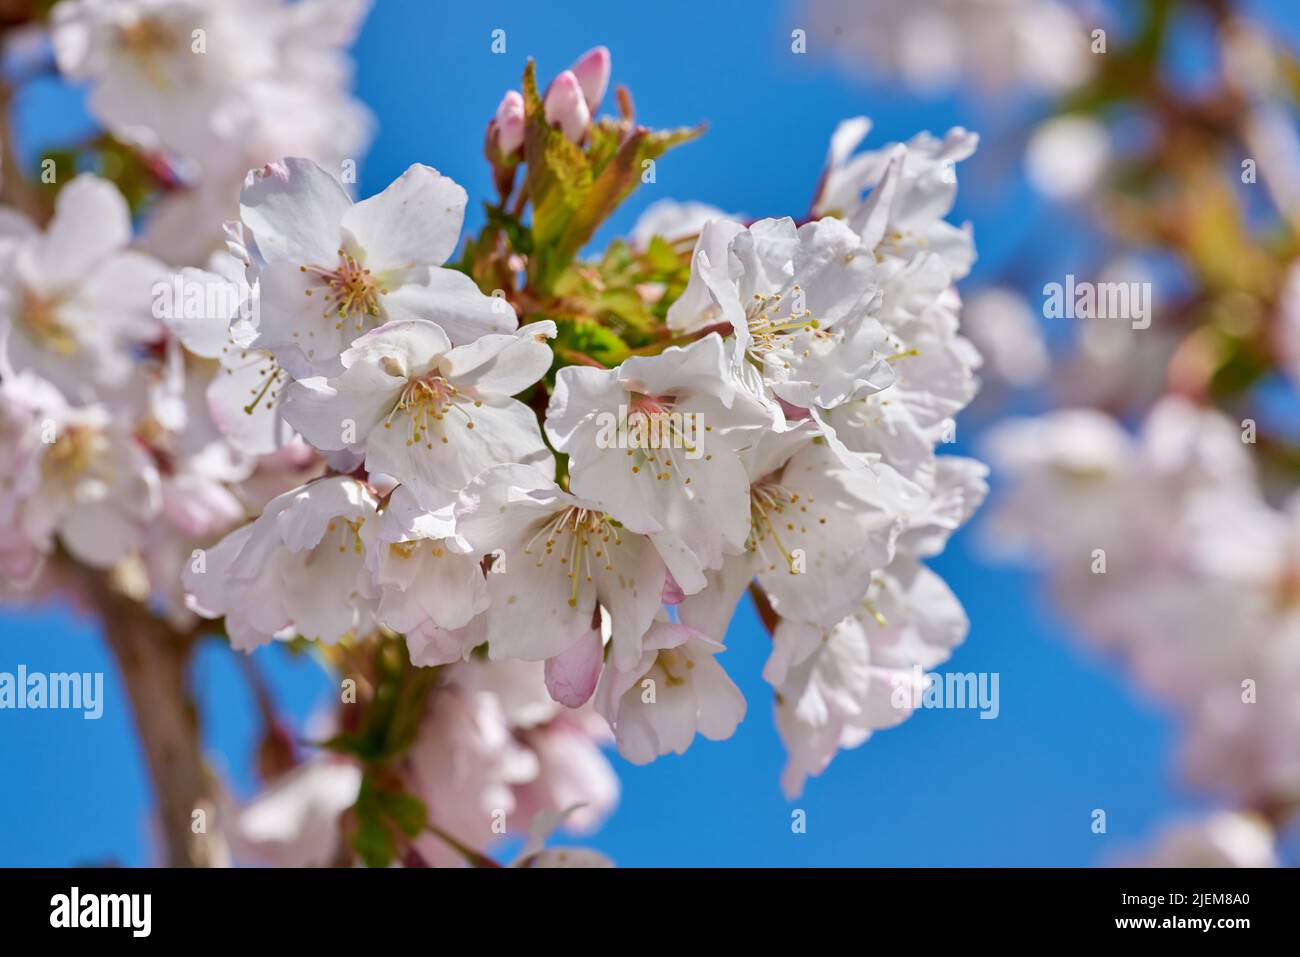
{"x":510,"y":122}
{"x":592,"y":71}
{"x":567,"y":108}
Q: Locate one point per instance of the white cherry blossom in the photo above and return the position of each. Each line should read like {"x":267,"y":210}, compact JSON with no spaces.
{"x":837,"y":685}
{"x":330,"y":270}
{"x":819,"y":530}
{"x":431,"y":415}
{"x":298,"y":569}
{"x":1004,"y":46}
{"x":1222,"y":839}
{"x":78,"y":476}
{"x":673,"y":691}
{"x":294,"y":820}
{"x":909,"y":190}
{"x":464,"y":765}
{"x":75,"y":302}
{"x":556,"y":559}
{"x":657,"y":442}
{"x":800,"y":304}
{"x":425,"y":574}
{"x":217,"y":81}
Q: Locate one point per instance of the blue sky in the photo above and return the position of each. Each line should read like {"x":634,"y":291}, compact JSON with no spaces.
{"x":945,"y":788}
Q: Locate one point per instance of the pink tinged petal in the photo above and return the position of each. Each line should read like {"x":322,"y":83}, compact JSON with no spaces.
{"x":244,"y":636}
{"x":294,"y":209}
{"x":682,"y":564}
{"x":15,"y":228}
{"x":667,"y":634}
{"x":257,"y":553}
{"x":571,"y":676}
{"x":566,"y":108}
{"x":416,"y":221}
{"x":510,"y":123}
{"x":793,"y":413}
{"x":672,"y":592}
{"x":199,"y":506}
{"x":20,"y":560}
{"x":430,"y":645}
{"x":405,"y":519}
{"x":592,"y":73}
{"x":792,"y":644}
{"x":646,"y":731}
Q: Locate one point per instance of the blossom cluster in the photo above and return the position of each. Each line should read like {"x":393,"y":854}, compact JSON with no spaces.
{"x":823,"y":361}
{"x":1161,"y":496}
{"x":1005,"y":46}
{"x":206,"y":89}
{"x":1165,"y":550}
{"x":493,"y":749}
{"x":319,"y":422}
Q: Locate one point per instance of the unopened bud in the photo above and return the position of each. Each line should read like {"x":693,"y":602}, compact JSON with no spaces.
{"x":509,"y":123}
{"x":592,"y":71}
{"x":567,"y":108}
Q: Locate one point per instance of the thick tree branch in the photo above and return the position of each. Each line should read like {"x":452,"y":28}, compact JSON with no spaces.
{"x":766,"y":613}
{"x":153,"y":660}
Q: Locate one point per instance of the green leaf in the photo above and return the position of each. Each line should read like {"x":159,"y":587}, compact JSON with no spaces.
{"x":559,"y":176}
{"x":380,"y":812}
{"x":572,"y":190}
{"x":405,"y":810}
{"x":587,"y":337}
{"x":661,"y":256}
{"x":520,"y":236}
{"x":616,"y":181}
{"x":372,"y":841}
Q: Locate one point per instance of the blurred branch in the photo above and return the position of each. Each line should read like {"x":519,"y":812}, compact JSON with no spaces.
{"x":15,"y":189}
{"x":153,"y":658}
{"x":18,"y":13}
